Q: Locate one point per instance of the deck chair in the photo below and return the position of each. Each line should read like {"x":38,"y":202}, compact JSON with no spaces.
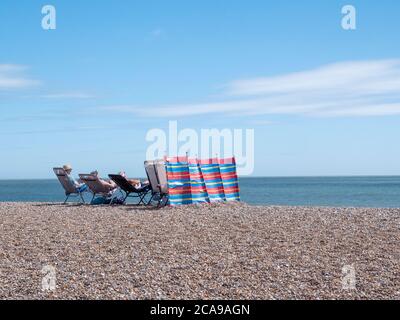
{"x":157,"y":176}
{"x":96,"y":187}
{"x":69,"y":187}
{"x":129,"y":190}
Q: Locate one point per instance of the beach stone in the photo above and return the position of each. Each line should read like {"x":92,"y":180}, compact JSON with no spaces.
{"x":217,"y":251}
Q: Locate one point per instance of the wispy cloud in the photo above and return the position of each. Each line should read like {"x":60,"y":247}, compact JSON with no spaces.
{"x":355,"y":78}
{"x":68,"y":95}
{"x":13,"y":77}
{"x":65,"y":129}
{"x":157,"y":32}
{"x":355,"y":88}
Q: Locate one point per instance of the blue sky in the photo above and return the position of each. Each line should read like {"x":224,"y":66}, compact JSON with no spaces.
{"x":322,"y":100}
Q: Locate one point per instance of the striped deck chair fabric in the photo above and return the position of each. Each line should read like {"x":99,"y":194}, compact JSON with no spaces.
{"x":179,"y":186}
{"x":198,"y":186}
{"x":212,"y":178}
{"x":229,"y":179}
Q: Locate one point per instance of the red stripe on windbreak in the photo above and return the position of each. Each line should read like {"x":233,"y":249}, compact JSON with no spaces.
{"x":180,"y":175}
{"x":200,"y":192}
{"x":231,"y":175}
{"x":209,"y":161}
{"x":174,"y":177}
{"x":231,"y":190}
{"x":208,"y":179}
{"x":185,"y":159}
{"x":227,"y":161}
{"x":215,"y":191}
{"x":193,"y":161}
{"x":180,"y":191}
{"x":198,"y":188}
{"x":214,"y":174}
{"x":231,"y":187}
{"x":208,"y":173}
{"x":173,"y":173}
{"x":177,"y":159}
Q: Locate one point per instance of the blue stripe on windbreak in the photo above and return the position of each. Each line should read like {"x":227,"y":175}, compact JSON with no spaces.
{"x":227,"y":169}
{"x":233,"y":195}
{"x":176,"y":186}
{"x":180,"y":196}
{"x":212,"y":180}
{"x":177,"y":170}
{"x":230,"y":180}
{"x":230,"y":183}
{"x":181,"y":203}
{"x":210,"y":169}
{"x":217,"y":196}
{"x":186,"y":181}
{"x":214,"y":184}
{"x":181,"y":165}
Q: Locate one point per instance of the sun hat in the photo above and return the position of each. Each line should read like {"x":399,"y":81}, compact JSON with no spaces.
{"x":67,"y":167}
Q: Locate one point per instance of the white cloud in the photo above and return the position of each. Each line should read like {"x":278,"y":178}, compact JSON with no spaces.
{"x":358,"y":88}
{"x":359,"y":77}
{"x":13,"y":77}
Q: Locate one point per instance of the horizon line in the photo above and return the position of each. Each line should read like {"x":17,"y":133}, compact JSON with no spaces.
{"x":250,"y":177}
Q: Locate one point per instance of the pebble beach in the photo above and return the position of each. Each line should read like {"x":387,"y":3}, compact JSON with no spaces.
{"x":217,"y":251}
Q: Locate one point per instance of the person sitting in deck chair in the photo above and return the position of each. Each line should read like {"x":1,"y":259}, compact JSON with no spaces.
{"x":81,"y":187}
{"x":108,"y":184}
{"x":135,"y":183}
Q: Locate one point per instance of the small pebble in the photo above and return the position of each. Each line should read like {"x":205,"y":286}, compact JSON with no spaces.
{"x":213,"y":251}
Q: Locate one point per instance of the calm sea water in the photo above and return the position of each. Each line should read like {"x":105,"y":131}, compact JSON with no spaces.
{"x":307,"y":191}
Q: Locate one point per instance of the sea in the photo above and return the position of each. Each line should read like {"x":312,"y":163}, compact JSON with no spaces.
{"x":373,"y":191}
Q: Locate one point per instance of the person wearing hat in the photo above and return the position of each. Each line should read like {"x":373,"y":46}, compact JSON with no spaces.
{"x":80,"y":186}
